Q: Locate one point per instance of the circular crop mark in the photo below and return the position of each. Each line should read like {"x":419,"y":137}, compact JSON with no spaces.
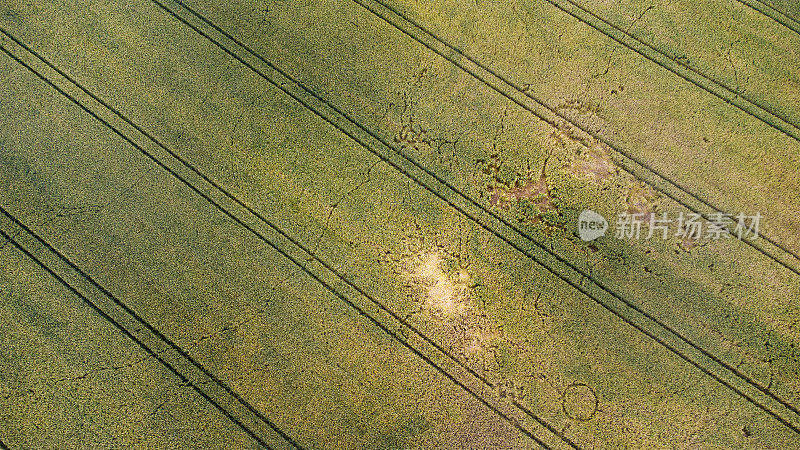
{"x":579,"y":402}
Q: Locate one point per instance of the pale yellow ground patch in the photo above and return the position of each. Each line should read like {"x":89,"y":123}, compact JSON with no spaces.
{"x":446,"y":298}
{"x":595,"y":164}
{"x":446,"y":295}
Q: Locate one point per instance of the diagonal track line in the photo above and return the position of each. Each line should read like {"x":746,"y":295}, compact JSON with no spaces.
{"x":720,"y":90}
{"x":156,"y":345}
{"x":296,"y":252}
{"x":774,"y":14}
{"x":629,"y":312}
{"x":637,"y":167}
{"x":144,"y":331}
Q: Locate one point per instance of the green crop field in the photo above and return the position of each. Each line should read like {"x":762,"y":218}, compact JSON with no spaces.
{"x":358,"y":224}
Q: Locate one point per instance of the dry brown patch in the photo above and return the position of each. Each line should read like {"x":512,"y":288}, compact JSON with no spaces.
{"x":640,"y":209}
{"x":595,"y":164}
{"x":536,"y":192}
{"x":640,"y":201}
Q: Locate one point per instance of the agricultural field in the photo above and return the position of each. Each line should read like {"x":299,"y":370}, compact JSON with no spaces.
{"x":392,"y":224}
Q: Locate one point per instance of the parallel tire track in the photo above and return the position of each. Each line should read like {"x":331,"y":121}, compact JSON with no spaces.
{"x":720,"y":90}
{"x":627,"y":311}
{"x":433,"y":355}
{"x":156,"y":345}
{"x":673,"y":190}
{"x":774,"y":14}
